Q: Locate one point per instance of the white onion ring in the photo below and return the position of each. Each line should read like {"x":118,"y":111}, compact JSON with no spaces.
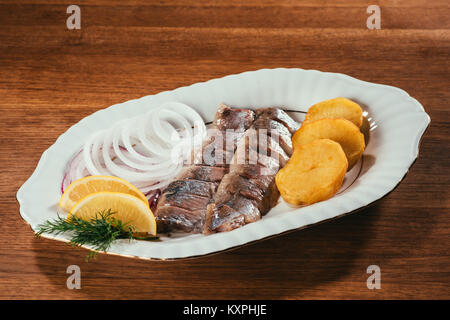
{"x":87,"y":151}
{"x":131,"y":175}
{"x":125,"y":137}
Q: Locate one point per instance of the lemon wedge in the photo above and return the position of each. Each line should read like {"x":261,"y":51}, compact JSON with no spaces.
{"x":126,"y":208}
{"x":81,"y":188}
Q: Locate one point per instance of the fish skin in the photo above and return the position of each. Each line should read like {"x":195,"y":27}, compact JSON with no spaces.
{"x":278,"y":114}
{"x":204,"y":173}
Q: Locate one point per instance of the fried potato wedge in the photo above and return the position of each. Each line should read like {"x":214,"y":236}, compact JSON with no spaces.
{"x":336,"y":108}
{"x":342,"y":131}
{"x":314,"y":172}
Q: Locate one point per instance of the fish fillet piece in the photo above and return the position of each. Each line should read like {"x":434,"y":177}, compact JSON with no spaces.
{"x":182,"y":205}
{"x":249,"y":191}
{"x":281,"y":116}
{"x":204,"y":173}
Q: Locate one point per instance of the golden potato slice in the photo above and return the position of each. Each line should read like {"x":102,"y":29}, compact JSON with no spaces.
{"x":335,"y":108}
{"x":314,"y":172}
{"x":340,"y":130}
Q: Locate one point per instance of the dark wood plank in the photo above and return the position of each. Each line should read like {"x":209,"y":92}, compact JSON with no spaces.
{"x":51,"y":77}
{"x":227,"y":16}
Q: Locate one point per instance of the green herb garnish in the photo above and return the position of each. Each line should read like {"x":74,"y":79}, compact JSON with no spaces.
{"x":99,"y":232}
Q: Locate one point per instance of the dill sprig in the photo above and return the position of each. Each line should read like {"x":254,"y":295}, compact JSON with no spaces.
{"x":99,"y":232}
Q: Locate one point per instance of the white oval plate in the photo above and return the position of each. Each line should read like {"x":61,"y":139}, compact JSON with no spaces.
{"x":397,"y":122}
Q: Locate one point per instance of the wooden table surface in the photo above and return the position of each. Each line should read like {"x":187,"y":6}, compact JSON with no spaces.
{"x":51,"y":77}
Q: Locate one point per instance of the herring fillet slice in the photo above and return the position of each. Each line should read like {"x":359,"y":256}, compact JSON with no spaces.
{"x":248,"y":191}
{"x":182,"y":206}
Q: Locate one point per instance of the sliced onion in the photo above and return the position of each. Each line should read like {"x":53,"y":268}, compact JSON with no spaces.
{"x":148,"y":151}
{"x":70,"y":173}
{"x":126,"y":135}
{"x":153,"y":164}
{"x":86,"y":151}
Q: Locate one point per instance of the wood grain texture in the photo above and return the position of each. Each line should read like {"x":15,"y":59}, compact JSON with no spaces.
{"x":51,"y":77}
